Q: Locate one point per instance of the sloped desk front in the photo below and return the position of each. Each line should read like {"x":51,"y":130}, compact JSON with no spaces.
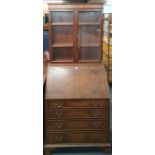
{"x":76,"y":110}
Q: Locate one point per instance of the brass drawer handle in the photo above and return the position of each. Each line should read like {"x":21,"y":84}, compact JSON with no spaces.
{"x":97,"y":104}
{"x":59,"y":113}
{"x":59,"y":105}
{"x":59,"y":138}
{"x":95,"y":124}
{"x":93,"y":113}
{"x":94,"y":104}
{"x":93,"y":137}
{"x":59,"y":125}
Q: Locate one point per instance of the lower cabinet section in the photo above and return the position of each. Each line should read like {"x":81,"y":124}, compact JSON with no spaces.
{"x":76,"y":137}
{"x":76,"y":107}
{"x":76,"y":121}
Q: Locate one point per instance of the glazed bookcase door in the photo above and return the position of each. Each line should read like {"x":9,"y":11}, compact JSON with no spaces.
{"x":62,"y":36}
{"x":89,"y":36}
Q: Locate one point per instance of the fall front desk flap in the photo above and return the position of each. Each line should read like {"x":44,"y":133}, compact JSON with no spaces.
{"x":76,"y":81}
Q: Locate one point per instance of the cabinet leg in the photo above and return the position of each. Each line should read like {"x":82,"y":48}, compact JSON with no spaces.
{"x":48,"y":151}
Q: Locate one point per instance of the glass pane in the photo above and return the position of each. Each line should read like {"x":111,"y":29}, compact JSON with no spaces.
{"x":89,"y":17}
{"x":89,"y":35}
{"x":62,"y":35}
{"x":62,"y":54}
{"x":62,"y":17}
{"x":89,"y":53}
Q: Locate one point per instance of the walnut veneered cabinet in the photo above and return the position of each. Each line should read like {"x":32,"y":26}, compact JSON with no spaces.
{"x":76,"y":108}
{"x":76,"y":111}
{"x":75,"y":33}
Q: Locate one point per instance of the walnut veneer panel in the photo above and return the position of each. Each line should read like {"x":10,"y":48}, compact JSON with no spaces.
{"x":77,"y":113}
{"x":75,"y":6}
{"x":58,"y":104}
{"x":76,"y":124}
{"x":81,"y":137}
{"x":76,"y":82}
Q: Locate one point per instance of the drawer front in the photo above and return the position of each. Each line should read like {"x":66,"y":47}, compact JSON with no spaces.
{"x":76,"y":113}
{"x":76,"y":124}
{"x":76,"y":137}
{"x":50,"y":104}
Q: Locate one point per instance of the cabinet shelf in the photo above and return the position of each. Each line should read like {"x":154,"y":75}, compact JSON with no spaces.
{"x":107,"y":43}
{"x":108,"y":32}
{"x":63,"y":60}
{"x":63,"y":45}
{"x":82,"y":24}
{"x":61,"y":24}
{"x":106,"y":54}
{"x":90,"y":60}
{"x":89,"y":45}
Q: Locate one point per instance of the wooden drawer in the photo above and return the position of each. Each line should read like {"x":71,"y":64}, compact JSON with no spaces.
{"x":76,"y":137}
{"x":50,"y":104}
{"x":76,"y":113}
{"x":76,"y":124}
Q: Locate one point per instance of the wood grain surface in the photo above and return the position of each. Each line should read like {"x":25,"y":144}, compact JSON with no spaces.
{"x":77,"y":81}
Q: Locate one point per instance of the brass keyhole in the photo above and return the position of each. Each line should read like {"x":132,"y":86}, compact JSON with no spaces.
{"x":93,"y":113}
{"x":59,"y":138}
{"x":95,"y":124}
{"x":59,"y":105}
{"x":94,"y":104}
{"x":59,"y":125}
{"x":59,"y":113}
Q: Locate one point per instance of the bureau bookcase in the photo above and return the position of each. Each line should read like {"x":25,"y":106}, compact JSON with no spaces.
{"x":76,"y":108}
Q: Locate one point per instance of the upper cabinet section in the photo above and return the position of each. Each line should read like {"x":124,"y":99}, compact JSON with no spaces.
{"x":75,"y":33}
